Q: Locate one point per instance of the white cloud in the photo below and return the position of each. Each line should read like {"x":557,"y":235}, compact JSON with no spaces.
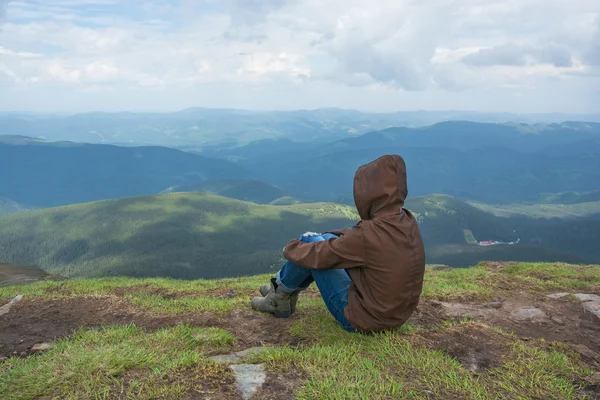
{"x":384,"y":54}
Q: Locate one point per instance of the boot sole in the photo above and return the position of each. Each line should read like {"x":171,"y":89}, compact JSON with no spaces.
{"x":282,"y":314}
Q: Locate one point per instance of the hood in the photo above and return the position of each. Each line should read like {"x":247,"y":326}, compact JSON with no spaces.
{"x":380,"y":187}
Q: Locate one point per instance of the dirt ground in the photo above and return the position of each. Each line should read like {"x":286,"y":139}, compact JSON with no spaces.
{"x":476,"y":346}
{"x":38,"y":320}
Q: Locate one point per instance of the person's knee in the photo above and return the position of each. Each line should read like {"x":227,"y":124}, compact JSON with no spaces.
{"x":313,"y":237}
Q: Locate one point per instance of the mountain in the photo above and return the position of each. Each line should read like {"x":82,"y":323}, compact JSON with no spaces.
{"x":489,"y":163}
{"x":489,"y":175}
{"x":570,"y":197}
{"x":46,"y":174}
{"x":241,"y":189}
{"x":182,"y":235}
{"x":545,"y":139}
{"x":195,"y":235}
{"x":569,"y":210}
{"x":468,"y":135}
{"x":450,"y":227}
{"x":10,"y":207}
{"x":203,"y":127}
{"x":495,"y":331}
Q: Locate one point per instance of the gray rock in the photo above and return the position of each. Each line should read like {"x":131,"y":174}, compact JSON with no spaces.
{"x":557,"y":295}
{"x":236,"y":357}
{"x":528,"y":314}
{"x":592,"y":307}
{"x":557,"y":320}
{"x":225,"y":358}
{"x":583,"y":297}
{"x":6,"y":308}
{"x":249,"y":378}
{"x":41,"y":347}
{"x":493,"y":304}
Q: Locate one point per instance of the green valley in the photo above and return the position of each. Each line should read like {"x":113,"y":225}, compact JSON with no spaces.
{"x":183,"y":235}
{"x":196,"y":235}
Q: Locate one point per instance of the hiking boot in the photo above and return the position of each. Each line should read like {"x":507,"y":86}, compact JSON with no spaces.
{"x":276,"y":302}
{"x":265,"y":289}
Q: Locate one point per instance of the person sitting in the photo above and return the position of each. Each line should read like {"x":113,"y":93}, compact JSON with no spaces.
{"x":371,"y":275}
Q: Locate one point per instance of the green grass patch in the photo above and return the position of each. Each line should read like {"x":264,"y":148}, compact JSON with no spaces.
{"x":92,"y":363}
{"x":552,"y":277}
{"x":388,"y":365}
{"x":458,"y":283}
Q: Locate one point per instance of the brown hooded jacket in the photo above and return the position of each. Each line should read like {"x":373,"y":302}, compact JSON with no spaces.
{"x":383,"y":253}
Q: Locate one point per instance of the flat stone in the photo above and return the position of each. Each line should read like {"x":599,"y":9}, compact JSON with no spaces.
{"x":528,"y":314}
{"x":592,"y":307}
{"x":493,"y":304}
{"x":583,"y":297}
{"x":6,"y":308}
{"x":237,"y":356}
{"x":41,"y":347}
{"x":249,"y":378}
{"x":225,"y":358}
{"x":557,"y":320}
{"x":557,"y":295}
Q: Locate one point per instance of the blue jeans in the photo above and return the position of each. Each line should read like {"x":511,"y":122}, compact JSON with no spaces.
{"x":332,"y":283}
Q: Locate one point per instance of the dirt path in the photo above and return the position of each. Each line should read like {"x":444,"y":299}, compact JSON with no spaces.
{"x":38,"y":320}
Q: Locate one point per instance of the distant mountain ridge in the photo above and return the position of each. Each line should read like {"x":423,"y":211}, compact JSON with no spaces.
{"x":490,"y":163}
{"x":202,"y":126}
{"x":58,"y":173}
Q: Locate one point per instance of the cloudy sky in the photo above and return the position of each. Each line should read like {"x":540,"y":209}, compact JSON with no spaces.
{"x":380,"y":55}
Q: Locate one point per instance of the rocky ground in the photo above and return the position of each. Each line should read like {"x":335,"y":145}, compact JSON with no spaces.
{"x":500,"y":330}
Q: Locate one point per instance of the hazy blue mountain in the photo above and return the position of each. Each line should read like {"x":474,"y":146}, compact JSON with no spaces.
{"x":492,"y":163}
{"x":202,"y":127}
{"x":51,"y":174}
{"x":494,"y":175}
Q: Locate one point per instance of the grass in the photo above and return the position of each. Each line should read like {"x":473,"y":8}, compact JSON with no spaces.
{"x":479,"y":282}
{"x":330,"y":363}
{"x":195,"y":235}
{"x":91,"y":363}
{"x":182,"y":235}
{"x":388,"y":365}
{"x":577,"y":210}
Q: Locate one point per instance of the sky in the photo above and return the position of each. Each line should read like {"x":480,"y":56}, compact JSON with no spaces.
{"x":524,"y":56}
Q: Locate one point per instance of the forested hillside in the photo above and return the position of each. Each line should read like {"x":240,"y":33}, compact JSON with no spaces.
{"x":182,"y":235}
{"x":241,"y":189}
{"x":193,"y":235}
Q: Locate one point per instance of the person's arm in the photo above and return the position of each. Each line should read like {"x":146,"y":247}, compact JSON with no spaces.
{"x":340,"y":232}
{"x":346,"y":251}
